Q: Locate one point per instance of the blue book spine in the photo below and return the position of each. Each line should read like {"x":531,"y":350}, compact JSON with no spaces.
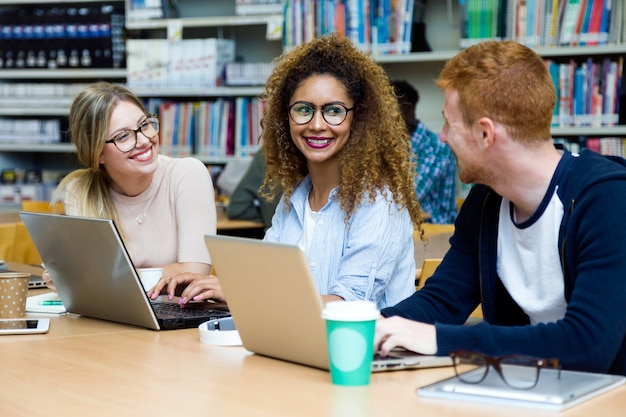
{"x":604,"y":23}
{"x":584,"y":30}
{"x":580,"y":88}
{"x":553,"y":68}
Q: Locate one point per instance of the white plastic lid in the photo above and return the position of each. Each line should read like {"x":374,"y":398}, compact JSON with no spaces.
{"x":360,"y":310}
{"x":227,"y":336}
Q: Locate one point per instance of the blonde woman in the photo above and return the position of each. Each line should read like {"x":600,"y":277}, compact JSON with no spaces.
{"x":163,"y":206}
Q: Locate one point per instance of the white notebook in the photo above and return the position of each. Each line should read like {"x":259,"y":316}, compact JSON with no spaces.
{"x":45,"y":304}
{"x":551,"y":392}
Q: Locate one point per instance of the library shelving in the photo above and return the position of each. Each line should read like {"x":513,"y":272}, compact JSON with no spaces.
{"x":253,"y":39}
{"x":48,"y":50}
{"x":256,"y":40}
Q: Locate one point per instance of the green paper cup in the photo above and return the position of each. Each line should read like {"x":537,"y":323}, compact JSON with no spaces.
{"x":350,"y":329}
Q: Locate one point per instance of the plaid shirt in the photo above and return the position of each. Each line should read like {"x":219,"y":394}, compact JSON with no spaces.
{"x":435,"y":180}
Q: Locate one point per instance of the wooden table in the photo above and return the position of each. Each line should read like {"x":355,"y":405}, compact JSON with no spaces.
{"x":89,"y":367}
{"x":244,"y":228}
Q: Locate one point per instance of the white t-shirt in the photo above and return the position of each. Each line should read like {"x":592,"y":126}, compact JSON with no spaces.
{"x":310,"y":218}
{"x":530,"y":269}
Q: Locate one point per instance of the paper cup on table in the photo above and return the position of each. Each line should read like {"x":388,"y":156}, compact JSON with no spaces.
{"x":149,"y":277}
{"x":350,"y":329}
{"x":13,"y":294}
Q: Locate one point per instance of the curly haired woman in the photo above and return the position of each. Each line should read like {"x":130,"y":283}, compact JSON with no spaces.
{"x":336,"y":147}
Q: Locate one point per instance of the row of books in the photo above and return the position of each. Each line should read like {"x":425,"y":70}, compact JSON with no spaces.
{"x":544,"y":23}
{"x":588,"y":92}
{"x":188,"y":63}
{"x":220,"y":128}
{"x":605,"y":145}
{"x":258,"y":7}
{"x":248,"y":73}
{"x":150,"y":9}
{"x":25,"y":131}
{"x":379,"y":26}
{"x":44,"y":94}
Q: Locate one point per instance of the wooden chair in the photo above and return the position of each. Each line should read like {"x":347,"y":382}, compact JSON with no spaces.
{"x":428,"y":269}
{"x":7,"y":241}
{"x":438,"y":236}
{"x":16,"y":244}
{"x":42,"y":206}
{"x":24,"y":250}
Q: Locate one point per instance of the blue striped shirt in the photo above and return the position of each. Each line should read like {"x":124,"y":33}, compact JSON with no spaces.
{"x":370,"y":259}
{"x":435,"y":175}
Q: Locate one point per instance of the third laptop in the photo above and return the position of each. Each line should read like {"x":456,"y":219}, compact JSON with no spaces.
{"x":95,"y":276}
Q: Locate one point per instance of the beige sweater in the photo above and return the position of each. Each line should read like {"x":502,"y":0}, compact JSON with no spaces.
{"x":176,"y":211}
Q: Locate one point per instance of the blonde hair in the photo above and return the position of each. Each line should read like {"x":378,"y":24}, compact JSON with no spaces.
{"x":377,"y":154}
{"x":89,"y":120}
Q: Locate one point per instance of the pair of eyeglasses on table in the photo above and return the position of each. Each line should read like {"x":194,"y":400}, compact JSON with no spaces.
{"x":517,"y":371}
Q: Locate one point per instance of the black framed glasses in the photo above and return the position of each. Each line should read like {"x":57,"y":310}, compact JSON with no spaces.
{"x":517,"y":371}
{"x":334,"y":114}
{"x":126,"y":140}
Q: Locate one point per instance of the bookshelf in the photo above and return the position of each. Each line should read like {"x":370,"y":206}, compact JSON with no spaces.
{"x":42,"y":63}
{"x":584,"y":45}
{"x":253,"y":42}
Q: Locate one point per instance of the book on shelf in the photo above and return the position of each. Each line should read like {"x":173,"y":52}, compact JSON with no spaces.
{"x":605,"y":145}
{"x":30,"y":131}
{"x":258,"y":7}
{"x":151,"y":9}
{"x":587,"y":92}
{"x":480,"y":21}
{"x":189,"y":63}
{"x":554,"y":69}
{"x":176,"y":120}
{"x":247,"y":73}
{"x":376,"y":26}
{"x":569,"y":22}
{"x":213,"y":125}
{"x":144,"y":9}
{"x":247,"y":125}
{"x":228,"y":127}
{"x":543,"y":23}
{"x":616,"y":19}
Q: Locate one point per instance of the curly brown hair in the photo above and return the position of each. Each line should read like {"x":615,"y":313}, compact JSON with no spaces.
{"x":378,"y":151}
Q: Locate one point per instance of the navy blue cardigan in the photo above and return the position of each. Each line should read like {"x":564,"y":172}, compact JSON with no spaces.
{"x":592,"y":245}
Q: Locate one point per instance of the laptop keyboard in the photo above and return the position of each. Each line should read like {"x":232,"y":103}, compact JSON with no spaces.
{"x":172,"y":309}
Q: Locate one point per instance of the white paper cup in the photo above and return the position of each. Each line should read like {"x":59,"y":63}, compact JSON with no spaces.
{"x":149,"y":277}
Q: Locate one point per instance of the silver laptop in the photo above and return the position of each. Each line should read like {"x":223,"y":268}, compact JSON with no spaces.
{"x":95,"y":277}
{"x":35,"y":271}
{"x":276,"y":306}
{"x":554,"y":390}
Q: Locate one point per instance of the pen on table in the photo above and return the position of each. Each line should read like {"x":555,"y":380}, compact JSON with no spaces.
{"x":51,"y":303}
